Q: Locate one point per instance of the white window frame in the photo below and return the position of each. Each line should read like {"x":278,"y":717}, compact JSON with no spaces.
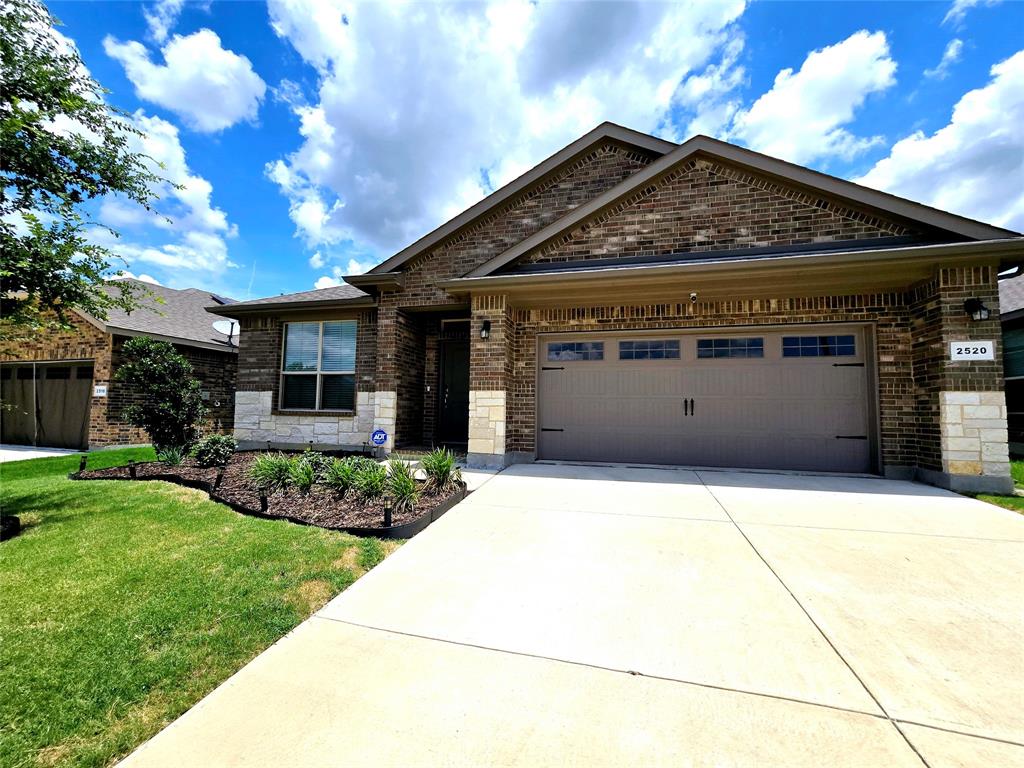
{"x":319,"y":373}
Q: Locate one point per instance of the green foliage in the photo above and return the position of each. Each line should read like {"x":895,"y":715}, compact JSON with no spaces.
{"x":271,"y":472}
{"x":171,"y":455}
{"x":214,"y":450}
{"x":443,"y":473}
{"x":340,"y":475}
{"x":301,"y":474}
{"x":317,"y":461}
{"x":401,"y":485}
{"x":172,"y":407}
{"x":61,"y":145}
{"x":370,"y":480}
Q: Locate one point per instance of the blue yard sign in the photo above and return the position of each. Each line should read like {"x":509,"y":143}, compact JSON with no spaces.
{"x":379,"y":437}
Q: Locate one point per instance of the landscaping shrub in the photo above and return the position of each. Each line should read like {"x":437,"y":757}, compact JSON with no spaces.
{"x":214,"y":450}
{"x":271,"y":472}
{"x":370,"y":480}
{"x":317,"y":461}
{"x":340,"y":475}
{"x":401,"y":485}
{"x":172,"y":406}
{"x":171,"y":455}
{"x":301,"y":474}
{"x":443,"y":473}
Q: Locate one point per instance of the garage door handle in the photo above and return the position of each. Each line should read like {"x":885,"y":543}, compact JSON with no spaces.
{"x":851,"y":437}
{"x":847,"y":365}
{"x":551,"y":429}
{"x":686,"y":407}
{"x":552,"y":368}
{"x":692,"y":409}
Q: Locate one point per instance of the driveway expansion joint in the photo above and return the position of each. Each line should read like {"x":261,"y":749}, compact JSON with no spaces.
{"x":810,"y":618}
{"x":614,"y":670}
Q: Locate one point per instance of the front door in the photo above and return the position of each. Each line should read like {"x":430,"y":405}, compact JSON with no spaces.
{"x":454,"y":422}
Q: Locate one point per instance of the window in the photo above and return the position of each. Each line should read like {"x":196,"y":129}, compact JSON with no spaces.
{"x":5,"y":374}
{"x":725,"y":347}
{"x":576,"y":350}
{"x":656,"y":349}
{"x":58,"y":373}
{"x":84,"y":372}
{"x":818,"y":346}
{"x":319,"y":366}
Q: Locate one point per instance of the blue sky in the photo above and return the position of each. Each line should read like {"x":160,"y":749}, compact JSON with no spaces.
{"x":313,"y":139}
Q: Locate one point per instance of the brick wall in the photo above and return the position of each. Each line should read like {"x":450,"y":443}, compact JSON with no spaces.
{"x":706,"y":206}
{"x":409,"y":358}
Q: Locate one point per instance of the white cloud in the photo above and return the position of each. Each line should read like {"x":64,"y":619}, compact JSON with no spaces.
{"x":354,"y":267}
{"x":958,"y":10}
{"x":209,"y":87}
{"x":950,"y":56}
{"x":316,"y":261}
{"x":423,"y":109}
{"x":162,"y":17}
{"x":973,"y":165}
{"x":801,"y":118}
{"x":143,"y":278}
{"x":190,"y":232}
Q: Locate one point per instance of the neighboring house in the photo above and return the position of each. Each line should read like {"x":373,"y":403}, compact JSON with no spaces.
{"x":1011,"y":314}
{"x":633,"y":300}
{"x":59,"y":390}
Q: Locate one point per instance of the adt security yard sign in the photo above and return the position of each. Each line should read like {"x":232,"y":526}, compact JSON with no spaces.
{"x":972,"y":350}
{"x":379,"y":437}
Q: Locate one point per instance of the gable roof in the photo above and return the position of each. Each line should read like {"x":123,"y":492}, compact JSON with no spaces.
{"x":601,"y":134}
{"x":180,"y":318}
{"x":789,"y":173}
{"x":338,"y":295}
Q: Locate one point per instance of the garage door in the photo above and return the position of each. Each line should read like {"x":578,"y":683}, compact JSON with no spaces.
{"x":46,"y":404}
{"x":785,"y":399}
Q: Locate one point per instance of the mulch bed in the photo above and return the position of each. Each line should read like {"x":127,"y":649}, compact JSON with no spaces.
{"x":320,"y":507}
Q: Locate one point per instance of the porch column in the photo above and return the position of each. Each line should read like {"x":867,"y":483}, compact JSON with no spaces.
{"x":970,"y":396}
{"x":489,"y":373}
{"x":385,"y":395}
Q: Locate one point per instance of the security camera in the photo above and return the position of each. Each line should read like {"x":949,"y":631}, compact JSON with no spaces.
{"x":693,"y":297}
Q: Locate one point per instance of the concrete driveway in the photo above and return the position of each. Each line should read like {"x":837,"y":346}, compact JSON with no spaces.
{"x":580,"y":615}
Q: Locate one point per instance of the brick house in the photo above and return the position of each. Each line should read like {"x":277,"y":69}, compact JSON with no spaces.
{"x":633,"y":300}
{"x":59,"y":390}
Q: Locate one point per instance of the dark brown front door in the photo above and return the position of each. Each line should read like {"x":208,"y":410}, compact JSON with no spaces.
{"x":454,"y":423}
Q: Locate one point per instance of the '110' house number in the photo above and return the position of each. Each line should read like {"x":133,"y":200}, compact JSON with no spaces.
{"x":972,"y":350}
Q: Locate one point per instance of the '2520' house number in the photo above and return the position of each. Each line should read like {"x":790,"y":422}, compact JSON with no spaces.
{"x":972,"y":350}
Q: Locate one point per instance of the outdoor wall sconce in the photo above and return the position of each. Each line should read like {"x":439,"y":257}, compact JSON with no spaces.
{"x":976,"y":309}
{"x":485,"y":329}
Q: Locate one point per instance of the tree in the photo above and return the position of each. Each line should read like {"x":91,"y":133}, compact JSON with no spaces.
{"x":171,"y":407}
{"x":61,"y":145}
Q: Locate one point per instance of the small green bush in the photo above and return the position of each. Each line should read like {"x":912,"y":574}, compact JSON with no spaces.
{"x":171,"y":455}
{"x":214,"y":450}
{"x":370,"y":480}
{"x":317,"y":461}
{"x":271,"y":472}
{"x":443,"y":473}
{"x":401,"y":485}
{"x":301,"y":474}
{"x":340,"y":475}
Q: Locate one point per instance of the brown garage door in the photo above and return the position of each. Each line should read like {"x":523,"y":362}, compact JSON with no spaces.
{"x":784,"y":399}
{"x":46,"y":404}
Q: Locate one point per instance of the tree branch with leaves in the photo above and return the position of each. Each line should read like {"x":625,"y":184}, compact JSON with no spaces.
{"x":61,"y":145}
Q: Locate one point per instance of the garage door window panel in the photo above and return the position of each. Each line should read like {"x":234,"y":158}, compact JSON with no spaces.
{"x":649,"y":349}
{"x":819,"y":346}
{"x":571,"y":351}
{"x":318,"y":366}
{"x":730,"y":348}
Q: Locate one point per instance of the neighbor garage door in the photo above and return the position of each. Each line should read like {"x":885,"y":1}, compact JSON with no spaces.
{"x":785,"y":399}
{"x":46,"y":404}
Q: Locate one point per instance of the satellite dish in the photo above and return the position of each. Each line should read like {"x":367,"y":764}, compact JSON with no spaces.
{"x":226,"y":328}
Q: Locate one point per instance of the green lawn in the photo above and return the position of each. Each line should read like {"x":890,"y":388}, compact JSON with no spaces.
{"x":1017,"y":471}
{"x":122,"y":604}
